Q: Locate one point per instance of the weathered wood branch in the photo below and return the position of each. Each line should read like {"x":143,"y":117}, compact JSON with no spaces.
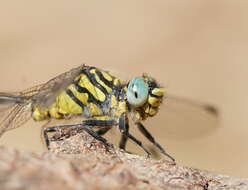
{"x":81,"y":162}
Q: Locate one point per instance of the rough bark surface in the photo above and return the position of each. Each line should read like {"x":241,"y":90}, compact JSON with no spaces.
{"x":81,"y":162}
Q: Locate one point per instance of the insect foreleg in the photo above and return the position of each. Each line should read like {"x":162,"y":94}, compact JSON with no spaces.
{"x":148,"y":135}
{"x":123,"y":126}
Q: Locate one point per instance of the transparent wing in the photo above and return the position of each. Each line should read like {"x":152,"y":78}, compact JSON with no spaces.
{"x":15,"y":108}
{"x":181,"y":118}
{"x":30,"y":92}
{"x":49,"y":91}
{"x":13,"y":115}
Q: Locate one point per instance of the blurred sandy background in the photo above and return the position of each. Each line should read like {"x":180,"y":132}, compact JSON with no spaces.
{"x":196,"y":49}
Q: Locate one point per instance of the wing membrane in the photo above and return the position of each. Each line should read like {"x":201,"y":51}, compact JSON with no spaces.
{"x":181,"y":118}
{"x":13,"y":116}
{"x":48,"y":92}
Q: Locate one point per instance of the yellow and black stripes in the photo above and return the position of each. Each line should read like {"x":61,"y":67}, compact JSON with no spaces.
{"x":92,"y":78}
{"x":74,"y":98}
{"x":91,"y":98}
{"x":93,"y":92}
{"x":106,"y":79}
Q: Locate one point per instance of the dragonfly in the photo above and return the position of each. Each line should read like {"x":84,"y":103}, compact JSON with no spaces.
{"x":97,"y":97}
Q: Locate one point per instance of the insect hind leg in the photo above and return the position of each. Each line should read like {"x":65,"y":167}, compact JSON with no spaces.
{"x":86,"y":126}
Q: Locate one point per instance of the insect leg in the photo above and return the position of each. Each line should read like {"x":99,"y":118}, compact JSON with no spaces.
{"x":86,"y":126}
{"x":123,"y":126}
{"x":124,"y":138}
{"x":148,"y":135}
{"x":123,"y":141}
{"x":45,"y":134}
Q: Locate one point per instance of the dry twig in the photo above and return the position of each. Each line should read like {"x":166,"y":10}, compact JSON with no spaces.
{"x":81,"y":162}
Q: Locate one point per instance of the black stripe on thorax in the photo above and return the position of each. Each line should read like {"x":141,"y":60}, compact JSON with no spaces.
{"x":91,"y":98}
{"x":92,"y":79}
{"x":103,"y":79}
{"x":74,"y":98}
{"x":117,"y":90}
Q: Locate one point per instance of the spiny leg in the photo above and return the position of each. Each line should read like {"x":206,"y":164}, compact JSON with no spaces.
{"x":148,"y":135}
{"x":124,"y":128}
{"x":86,"y":126}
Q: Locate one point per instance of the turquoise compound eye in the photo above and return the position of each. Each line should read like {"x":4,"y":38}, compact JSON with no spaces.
{"x":137,"y":92}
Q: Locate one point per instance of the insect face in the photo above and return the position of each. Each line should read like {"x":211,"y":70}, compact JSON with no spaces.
{"x":145,"y":96}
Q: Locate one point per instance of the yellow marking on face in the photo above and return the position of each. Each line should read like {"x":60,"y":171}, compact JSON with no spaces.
{"x":154,"y":101}
{"x":146,"y":108}
{"x":153,"y":111}
{"x":96,"y":92}
{"x":158,"y":91}
{"x":100,"y":82}
{"x":107,"y":76}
